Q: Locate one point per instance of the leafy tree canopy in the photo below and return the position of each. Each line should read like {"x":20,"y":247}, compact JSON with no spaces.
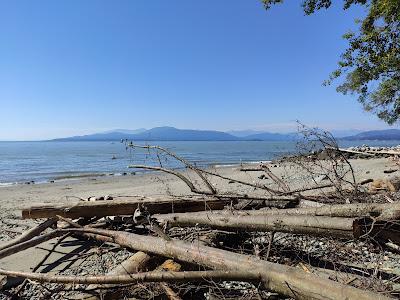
{"x":370,"y":66}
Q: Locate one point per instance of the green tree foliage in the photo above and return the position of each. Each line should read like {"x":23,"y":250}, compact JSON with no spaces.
{"x":370,"y":66}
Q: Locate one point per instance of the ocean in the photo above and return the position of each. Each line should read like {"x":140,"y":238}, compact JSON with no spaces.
{"x":22,"y":162}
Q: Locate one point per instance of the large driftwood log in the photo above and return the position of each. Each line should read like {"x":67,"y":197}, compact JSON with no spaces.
{"x":312,"y":225}
{"x":282,"y":279}
{"x":279,"y":278}
{"x":153,"y":205}
{"x":122,"y":207}
{"x":380,"y":211}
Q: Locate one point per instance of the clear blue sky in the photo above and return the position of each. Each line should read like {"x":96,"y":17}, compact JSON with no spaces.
{"x":72,"y":67}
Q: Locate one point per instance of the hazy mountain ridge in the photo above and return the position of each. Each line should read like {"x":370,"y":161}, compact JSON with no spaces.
{"x":173,"y":134}
{"x":387,"y":134}
{"x":157,"y":134}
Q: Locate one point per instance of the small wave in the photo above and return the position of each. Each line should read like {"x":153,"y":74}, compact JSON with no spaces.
{"x":238,"y":164}
{"x":4,"y":184}
{"x":77,"y":176}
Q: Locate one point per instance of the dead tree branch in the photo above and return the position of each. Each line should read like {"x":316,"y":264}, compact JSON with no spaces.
{"x":182,"y":160}
{"x":154,"y":276}
{"x":175,"y":173}
{"x":279,"y":278}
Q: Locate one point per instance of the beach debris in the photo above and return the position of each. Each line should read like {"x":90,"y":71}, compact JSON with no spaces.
{"x":123,"y":207}
{"x":276,"y":277}
{"x":365,"y":181}
{"x":245,"y":168}
{"x":331,"y":240}
{"x":367,"y":151}
{"x":381,"y":184}
{"x":390,"y":185}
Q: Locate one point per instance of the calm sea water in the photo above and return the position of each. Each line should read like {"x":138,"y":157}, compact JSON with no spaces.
{"x":44,"y":161}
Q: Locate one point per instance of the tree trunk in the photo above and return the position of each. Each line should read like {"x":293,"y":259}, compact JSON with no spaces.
{"x":386,"y":211}
{"x":282,"y":279}
{"x":312,"y":225}
{"x":153,"y":205}
{"x":122,"y":207}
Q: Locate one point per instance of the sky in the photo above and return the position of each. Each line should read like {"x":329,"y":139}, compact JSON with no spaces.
{"x":77,"y":67}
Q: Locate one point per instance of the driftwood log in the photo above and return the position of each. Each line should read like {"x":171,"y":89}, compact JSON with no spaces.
{"x":313,"y":225}
{"x":152,"y":205}
{"x":154,"y":276}
{"x":282,"y":279}
{"x":122,"y":207}
{"x":131,"y":265}
{"x":381,"y":211}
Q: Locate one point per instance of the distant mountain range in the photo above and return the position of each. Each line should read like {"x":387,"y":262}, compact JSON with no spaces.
{"x":174,"y":134}
{"x":387,"y":134}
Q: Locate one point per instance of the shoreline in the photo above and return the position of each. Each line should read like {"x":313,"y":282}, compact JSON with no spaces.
{"x":80,"y":176}
{"x":33,"y":164}
{"x":154,"y":182}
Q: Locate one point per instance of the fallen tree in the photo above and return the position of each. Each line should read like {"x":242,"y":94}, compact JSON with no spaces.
{"x":313,"y":225}
{"x":282,"y":279}
{"x":379,"y":211}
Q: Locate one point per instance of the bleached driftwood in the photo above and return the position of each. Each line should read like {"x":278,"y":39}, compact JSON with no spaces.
{"x":282,"y":279}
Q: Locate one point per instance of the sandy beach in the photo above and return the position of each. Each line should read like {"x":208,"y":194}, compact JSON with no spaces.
{"x":15,"y":197}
